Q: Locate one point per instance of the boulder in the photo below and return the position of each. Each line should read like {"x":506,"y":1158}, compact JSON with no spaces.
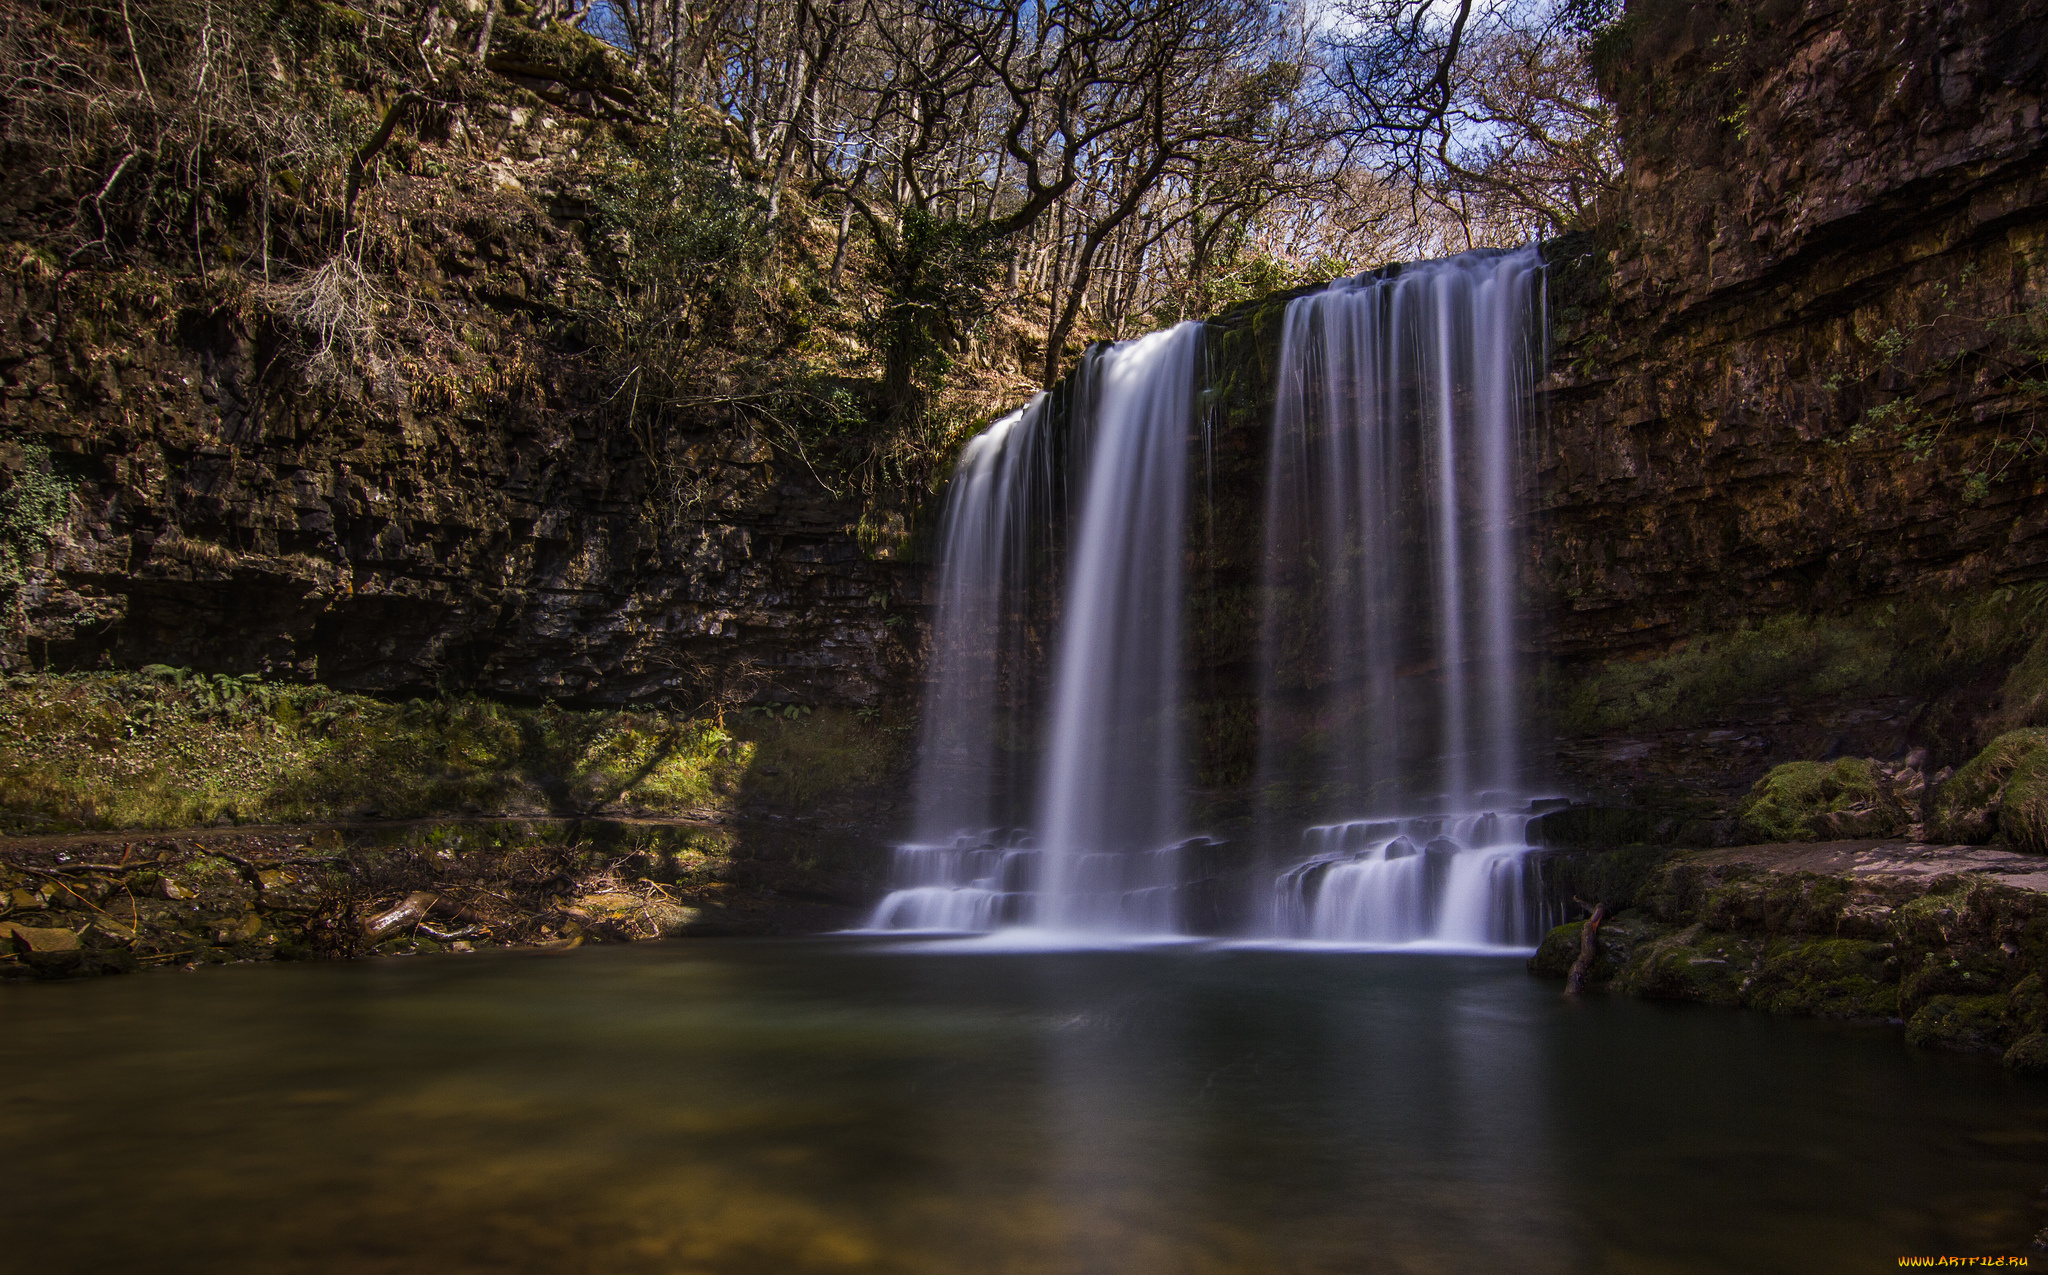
{"x":2023,"y":805}
{"x":1821,"y":801}
{"x":1966,"y":808}
{"x":24,"y":938}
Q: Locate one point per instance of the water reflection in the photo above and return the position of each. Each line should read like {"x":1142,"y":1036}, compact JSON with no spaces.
{"x":837,"y":1106}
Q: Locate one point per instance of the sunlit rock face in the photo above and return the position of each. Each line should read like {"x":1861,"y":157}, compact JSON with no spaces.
{"x":1828,"y":207}
{"x":224,"y":517}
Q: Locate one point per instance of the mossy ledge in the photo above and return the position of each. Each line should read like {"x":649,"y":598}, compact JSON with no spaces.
{"x":165,"y":817}
{"x":167,"y":748}
{"x":109,"y":904}
{"x":1949,"y":942}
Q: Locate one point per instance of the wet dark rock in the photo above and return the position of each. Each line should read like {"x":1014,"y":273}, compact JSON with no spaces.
{"x":1950,"y":940}
{"x":2029,"y":1054}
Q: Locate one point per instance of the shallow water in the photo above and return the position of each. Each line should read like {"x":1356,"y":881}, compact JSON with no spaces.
{"x":847,"y":1105}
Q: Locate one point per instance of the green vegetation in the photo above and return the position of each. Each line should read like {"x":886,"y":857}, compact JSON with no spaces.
{"x":1956,"y":959}
{"x":1919,"y":644}
{"x":1793,"y":801}
{"x":1826,"y":978}
{"x":31,"y":505}
{"x":1916,"y":365}
{"x":795,"y":763}
{"x":2023,"y":700}
{"x":164,"y":748}
{"x":2023,"y":806}
{"x":1966,"y":808}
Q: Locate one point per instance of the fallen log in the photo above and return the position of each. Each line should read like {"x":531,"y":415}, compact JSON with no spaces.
{"x":411,"y":910}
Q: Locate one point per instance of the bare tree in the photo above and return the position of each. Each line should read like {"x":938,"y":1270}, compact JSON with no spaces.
{"x":1484,"y":107}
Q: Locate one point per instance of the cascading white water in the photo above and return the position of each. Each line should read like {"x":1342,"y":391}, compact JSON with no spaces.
{"x":1388,"y":675}
{"x":1464,"y":880}
{"x":1110,"y":790}
{"x":1114,"y":787}
{"x":960,"y":872}
{"x":1391,"y":501}
{"x":963,"y":871}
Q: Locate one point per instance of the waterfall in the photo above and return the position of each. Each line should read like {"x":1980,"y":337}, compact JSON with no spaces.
{"x":1114,"y":783}
{"x":1108,"y":802}
{"x":1388,"y":639}
{"x":1054,"y":773}
{"x":1466,"y":881}
{"x":963,"y":870}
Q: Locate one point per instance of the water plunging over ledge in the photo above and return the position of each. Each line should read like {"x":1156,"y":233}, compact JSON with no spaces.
{"x":1054,"y":775}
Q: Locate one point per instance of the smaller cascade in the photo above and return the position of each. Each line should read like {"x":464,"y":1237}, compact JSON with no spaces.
{"x":958,"y":872}
{"x":976,"y":881}
{"x":1462,"y":880}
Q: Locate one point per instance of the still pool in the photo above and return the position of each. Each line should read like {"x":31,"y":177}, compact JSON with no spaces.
{"x":851,"y":1105}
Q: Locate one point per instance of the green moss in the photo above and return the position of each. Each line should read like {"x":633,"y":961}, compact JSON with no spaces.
{"x":1827,"y":978}
{"x":166,"y":748}
{"x":1695,"y":964}
{"x":795,"y":763}
{"x":1793,"y":801}
{"x":1790,"y":903}
{"x":1924,"y":645}
{"x":2027,"y":1005}
{"x":1960,"y":1022}
{"x":1788,"y":654}
{"x":1949,"y":975}
{"x":1558,"y":951}
{"x":2029,"y":1054}
{"x":2023,"y":700}
{"x":1966,"y":807}
{"x":1617,"y":942}
{"x":2023,"y":805}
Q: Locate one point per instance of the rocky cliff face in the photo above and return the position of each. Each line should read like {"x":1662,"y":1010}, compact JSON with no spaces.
{"x":468,"y":503}
{"x":1801,"y":371}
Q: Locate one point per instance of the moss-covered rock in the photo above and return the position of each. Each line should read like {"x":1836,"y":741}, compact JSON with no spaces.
{"x":1827,"y":978}
{"x":2023,"y":805}
{"x":1778,"y":903}
{"x":1618,"y":940}
{"x":1966,"y":808}
{"x":1949,"y":976}
{"x":1961,"y":1022}
{"x":1694,"y":964}
{"x":2027,"y":1005}
{"x":1558,"y":950}
{"x":2029,"y":1054}
{"x":2023,"y":700}
{"x":1815,"y":801}
{"x":1961,"y":956}
{"x":168,"y":748}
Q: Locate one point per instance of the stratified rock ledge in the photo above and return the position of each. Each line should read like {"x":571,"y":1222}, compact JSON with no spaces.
{"x":1949,"y":941}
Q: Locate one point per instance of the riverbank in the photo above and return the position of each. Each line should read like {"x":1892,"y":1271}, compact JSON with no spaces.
{"x":1951,"y":942}
{"x":89,"y":904}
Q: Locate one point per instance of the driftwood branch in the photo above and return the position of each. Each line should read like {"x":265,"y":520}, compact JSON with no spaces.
{"x":467,"y":931}
{"x":413,"y":909}
{"x":1589,"y":949}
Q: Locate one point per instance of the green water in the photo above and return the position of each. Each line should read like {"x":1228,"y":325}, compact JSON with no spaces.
{"x":835,"y":1105}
